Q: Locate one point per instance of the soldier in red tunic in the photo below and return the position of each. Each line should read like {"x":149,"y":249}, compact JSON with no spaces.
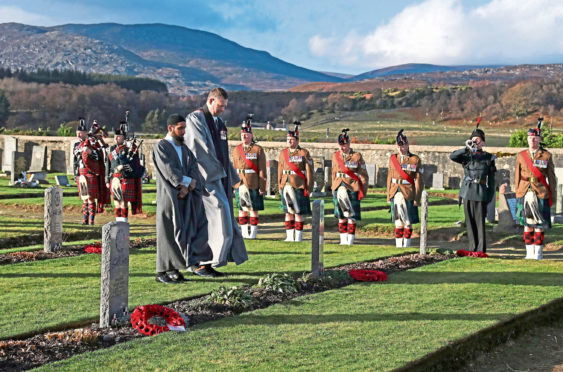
{"x":123,"y":175}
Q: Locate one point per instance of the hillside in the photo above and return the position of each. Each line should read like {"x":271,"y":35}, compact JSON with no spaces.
{"x":188,"y":61}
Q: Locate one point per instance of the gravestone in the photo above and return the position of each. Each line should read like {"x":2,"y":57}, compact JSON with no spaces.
{"x":318,"y":242}
{"x":53,"y":215}
{"x":327,"y":133}
{"x":115,"y":271}
{"x":423,"y":222}
{"x":10,"y":146}
{"x":438,"y":181}
{"x":371,"y":168}
{"x":62,"y":180}
{"x":558,"y":217}
{"x":70,"y":169}
{"x":57,"y":162}
{"x":38,"y":159}
{"x":381,"y":178}
{"x":40,"y":177}
{"x":328,"y":180}
{"x":271,"y":177}
{"x":319,"y":183}
{"x":507,"y":221}
{"x":12,"y":169}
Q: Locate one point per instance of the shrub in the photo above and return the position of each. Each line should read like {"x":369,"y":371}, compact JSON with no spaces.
{"x":278,"y":282}
{"x":64,"y":130}
{"x":237,"y":297}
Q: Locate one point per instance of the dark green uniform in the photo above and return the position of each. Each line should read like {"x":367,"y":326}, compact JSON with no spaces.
{"x":477,"y":190}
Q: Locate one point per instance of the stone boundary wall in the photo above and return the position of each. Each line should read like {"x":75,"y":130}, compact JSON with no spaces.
{"x":435,"y":159}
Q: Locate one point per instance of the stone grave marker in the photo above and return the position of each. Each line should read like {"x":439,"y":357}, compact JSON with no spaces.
{"x":10,"y":146}
{"x":12,"y":168}
{"x":423,"y":222}
{"x":40,"y":177}
{"x":115,"y":271}
{"x":371,"y":168}
{"x":327,"y":189}
{"x":318,"y":242}
{"x":271,"y":177}
{"x":507,"y":221}
{"x":62,"y":180}
{"x":319,"y":183}
{"x":558,"y":217}
{"x":438,"y":181}
{"x":38,"y":159}
{"x":53,"y":215}
{"x":57,"y":162}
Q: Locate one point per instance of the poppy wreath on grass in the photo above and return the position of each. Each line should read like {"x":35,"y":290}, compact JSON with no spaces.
{"x":141,"y":315}
{"x":363,"y":275}
{"x":464,"y":253}
{"x":93,"y":248}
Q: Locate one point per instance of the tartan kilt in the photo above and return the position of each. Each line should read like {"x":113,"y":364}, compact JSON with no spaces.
{"x":544,"y":208}
{"x":303,"y":201}
{"x":93,"y":183}
{"x":353,"y":195}
{"x":256,"y":199}
{"x":130,"y":188}
{"x":412,"y":211}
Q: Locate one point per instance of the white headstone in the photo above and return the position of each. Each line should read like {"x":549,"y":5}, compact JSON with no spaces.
{"x":53,"y":215}
{"x":10,"y":146}
{"x":115,"y":271}
{"x":371,"y":168}
{"x":438,"y":181}
{"x":318,"y":242}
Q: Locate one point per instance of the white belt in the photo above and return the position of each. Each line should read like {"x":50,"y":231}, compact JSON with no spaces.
{"x":246,"y":171}
{"x":342,"y":174}
{"x":404,"y":182}
{"x":288,"y":172}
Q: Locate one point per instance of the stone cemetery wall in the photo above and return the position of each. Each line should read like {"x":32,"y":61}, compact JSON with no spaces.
{"x":435,"y":159}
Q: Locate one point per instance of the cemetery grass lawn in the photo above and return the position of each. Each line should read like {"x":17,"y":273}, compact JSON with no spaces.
{"x":365,"y":326}
{"x":46,"y":294}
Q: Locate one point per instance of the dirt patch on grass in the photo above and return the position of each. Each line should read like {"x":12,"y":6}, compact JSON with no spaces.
{"x":16,"y":355}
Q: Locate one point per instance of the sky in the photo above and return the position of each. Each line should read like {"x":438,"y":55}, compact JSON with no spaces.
{"x":348,"y":36}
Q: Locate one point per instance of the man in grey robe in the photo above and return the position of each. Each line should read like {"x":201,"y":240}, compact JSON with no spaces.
{"x":206,"y":137}
{"x":181,"y":226}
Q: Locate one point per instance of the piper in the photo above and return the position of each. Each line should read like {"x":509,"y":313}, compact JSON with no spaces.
{"x":295,"y":173}
{"x":404,"y":190}
{"x":349,"y":186}
{"x":535,"y":186}
{"x":249,"y":160}
{"x":123,"y":175}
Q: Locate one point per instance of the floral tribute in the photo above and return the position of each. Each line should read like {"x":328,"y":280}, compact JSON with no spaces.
{"x":464,"y":253}
{"x":93,"y":248}
{"x":141,"y":315}
{"x":368,"y":275}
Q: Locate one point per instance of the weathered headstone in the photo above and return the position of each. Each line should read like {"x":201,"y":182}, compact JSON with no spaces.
{"x":53,"y":215}
{"x":10,"y":146}
{"x":319,"y":183}
{"x":38,"y":159}
{"x":40,"y":177}
{"x":558,"y":217}
{"x":507,"y":222}
{"x":62,"y":180}
{"x":371,"y":168}
{"x":12,"y":168}
{"x":438,"y":181}
{"x":115,"y":271}
{"x":318,"y":241}
{"x":327,"y":189}
{"x":271,"y":177}
{"x":57,"y":162}
{"x":381,"y":178}
{"x":423,"y":222}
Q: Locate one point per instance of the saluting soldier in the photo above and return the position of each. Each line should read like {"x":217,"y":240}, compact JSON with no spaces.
{"x":249,"y":161}
{"x":349,"y":186}
{"x":477,"y":187}
{"x":295,"y":175}
{"x":123,"y":175}
{"x":89,"y":170}
{"x":535,"y":187}
{"x":404,"y":189}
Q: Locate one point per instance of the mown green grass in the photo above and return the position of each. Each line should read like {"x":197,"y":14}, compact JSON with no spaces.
{"x":43,"y":294}
{"x":376,"y":327}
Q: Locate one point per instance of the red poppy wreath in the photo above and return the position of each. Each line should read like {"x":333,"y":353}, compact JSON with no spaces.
{"x":368,"y":275}
{"x":93,"y":248}
{"x":141,"y":315}
{"x":464,"y":253}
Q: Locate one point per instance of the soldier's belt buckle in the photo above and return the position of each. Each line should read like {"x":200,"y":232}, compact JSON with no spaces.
{"x":533,"y":179}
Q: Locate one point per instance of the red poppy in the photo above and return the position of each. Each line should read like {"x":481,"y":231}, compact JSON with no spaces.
{"x":141,"y":315}
{"x":368,"y":275}
{"x":464,"y":253}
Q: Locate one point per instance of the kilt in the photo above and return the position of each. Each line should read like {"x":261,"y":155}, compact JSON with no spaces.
{"x":303,"y":201}
{"x":353,"y":195}
{"x":256,"y":199}
{"x":94,"y":183}
{"x":412,"y":211}
{"x":544,"y":209}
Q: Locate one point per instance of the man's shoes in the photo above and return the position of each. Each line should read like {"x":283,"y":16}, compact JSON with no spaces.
{"x":203,"y":271}
{"x":164,"y":278}
{"x":176,"y":276}
{"x":215,"y":272}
